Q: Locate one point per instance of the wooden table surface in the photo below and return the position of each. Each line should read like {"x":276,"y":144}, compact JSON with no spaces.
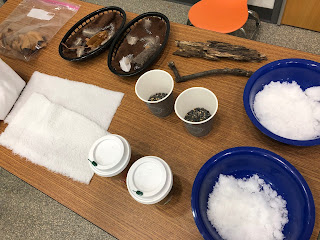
{"x":106,"y":202}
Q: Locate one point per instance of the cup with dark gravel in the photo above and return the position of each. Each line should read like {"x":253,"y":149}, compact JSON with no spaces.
{"x":155,"y":89}
{"x":196,"y":107}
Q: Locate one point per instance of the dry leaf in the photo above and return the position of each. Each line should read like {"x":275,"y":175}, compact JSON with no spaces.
{"x":97,"y":39}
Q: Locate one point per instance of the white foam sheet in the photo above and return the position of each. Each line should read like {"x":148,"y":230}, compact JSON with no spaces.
{"x":95,"y":103}
{"x":52,"y":136}
{"x":11,"y":85}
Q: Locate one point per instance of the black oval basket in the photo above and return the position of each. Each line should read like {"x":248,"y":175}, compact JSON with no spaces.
{"x":83,"y":22}
{"x":122,"y":35}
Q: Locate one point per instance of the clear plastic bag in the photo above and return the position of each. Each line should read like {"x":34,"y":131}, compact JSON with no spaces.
{"x":31,"y":25}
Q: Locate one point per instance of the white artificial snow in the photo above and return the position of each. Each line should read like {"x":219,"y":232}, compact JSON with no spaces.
{"x":286,"y":110}
{"x":313,"y":92}
{"x":246,"y":209}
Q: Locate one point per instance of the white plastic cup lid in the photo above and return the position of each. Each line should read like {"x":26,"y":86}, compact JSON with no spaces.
{"x":109,"y":155}
{"x":149,"y":180}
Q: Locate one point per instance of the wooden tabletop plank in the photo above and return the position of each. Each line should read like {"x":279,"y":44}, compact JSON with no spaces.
{"x":106,"y":202}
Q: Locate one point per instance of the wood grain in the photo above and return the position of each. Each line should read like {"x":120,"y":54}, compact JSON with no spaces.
{"x":106,"y":202}
{"x":304,"y":14}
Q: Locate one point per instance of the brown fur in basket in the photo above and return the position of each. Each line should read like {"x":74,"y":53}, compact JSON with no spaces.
{"x":92,"y":35}
{"x":143,"y":40}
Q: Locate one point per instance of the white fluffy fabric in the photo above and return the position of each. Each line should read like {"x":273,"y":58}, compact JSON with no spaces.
{"x":50,"y":135}
{"x":11,"y":85}
{"x":95,"y":103}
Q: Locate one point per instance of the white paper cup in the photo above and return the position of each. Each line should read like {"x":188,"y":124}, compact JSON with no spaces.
{"x":196,"y":97}
{"x":149,"y":180}
{"x":109,"y":155}
{"x":152,"y":82}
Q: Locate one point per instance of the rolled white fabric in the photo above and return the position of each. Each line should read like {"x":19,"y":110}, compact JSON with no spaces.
{"x":93,"y":102}
{"x":11,"y":85}
{"x":52,"y":136}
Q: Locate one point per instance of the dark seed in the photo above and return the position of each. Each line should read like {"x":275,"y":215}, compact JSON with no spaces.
{"x":157,"y":96}
{"x":197,"y":115}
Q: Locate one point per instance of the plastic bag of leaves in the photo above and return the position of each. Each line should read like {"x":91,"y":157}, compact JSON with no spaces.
{"x":31,"y":25}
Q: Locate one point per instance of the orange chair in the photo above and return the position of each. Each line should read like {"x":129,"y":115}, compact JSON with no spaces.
{"x":223,"y":16}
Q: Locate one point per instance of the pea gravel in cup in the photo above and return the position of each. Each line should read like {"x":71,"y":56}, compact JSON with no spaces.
{"x":196,"y":107}
{"x":155,"y":89}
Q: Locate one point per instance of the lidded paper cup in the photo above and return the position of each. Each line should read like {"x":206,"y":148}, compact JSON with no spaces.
{"x":150,"y":180}
{"x":109,"y":155}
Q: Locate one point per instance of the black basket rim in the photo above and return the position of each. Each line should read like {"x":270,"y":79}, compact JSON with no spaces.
{"x":100,"y":49}
{"x":123,"y":31}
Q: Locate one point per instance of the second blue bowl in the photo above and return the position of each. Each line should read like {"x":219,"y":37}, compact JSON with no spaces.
{"x":243,"y":162}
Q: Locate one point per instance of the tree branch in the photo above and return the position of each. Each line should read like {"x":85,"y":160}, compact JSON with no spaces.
{"x":230,"y":71}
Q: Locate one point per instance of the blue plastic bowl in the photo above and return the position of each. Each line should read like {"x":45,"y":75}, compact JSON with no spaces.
{"x":305,"y":72}
{"x":280,"y":174}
